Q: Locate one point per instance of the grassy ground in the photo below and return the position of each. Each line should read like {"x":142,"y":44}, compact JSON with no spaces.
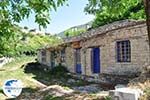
{"x":33,"y":78}
{"x":13,"y":70}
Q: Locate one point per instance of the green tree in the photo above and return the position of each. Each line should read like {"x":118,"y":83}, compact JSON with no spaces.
{"x":70,"y":32}
{"x":14,"y":11}
{"x":107,"y":11}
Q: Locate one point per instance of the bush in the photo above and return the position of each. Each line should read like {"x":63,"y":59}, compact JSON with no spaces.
{"x":147,"y":94}
{"x":59,"y":71}
{"x":108,"y":98}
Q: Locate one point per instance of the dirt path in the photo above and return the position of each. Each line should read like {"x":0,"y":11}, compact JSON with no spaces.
{"x":39,"y":84}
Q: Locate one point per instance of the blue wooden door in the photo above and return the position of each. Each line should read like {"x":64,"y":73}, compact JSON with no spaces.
{"x":78,"y":68}
{"x":96,"y":60}
{"x":78,"y":61}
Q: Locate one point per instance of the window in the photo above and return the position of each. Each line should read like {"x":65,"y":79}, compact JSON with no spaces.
{"x":63,"y":55}
{"x":123,"y":51}
{"x":53,"y":56}
{"x":78,"y":61}
{"x":43,"y":52}
{"x":78,"y":56}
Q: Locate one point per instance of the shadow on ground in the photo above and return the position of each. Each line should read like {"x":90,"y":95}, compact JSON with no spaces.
{"x":27,"y":94}
{"x":57,"y":76}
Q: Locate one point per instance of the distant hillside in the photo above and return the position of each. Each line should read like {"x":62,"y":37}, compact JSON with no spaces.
{"x":23,"y":41}
{"x":78,"y":27}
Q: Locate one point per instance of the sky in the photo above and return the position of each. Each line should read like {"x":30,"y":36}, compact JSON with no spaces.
{"x":64,"y":18}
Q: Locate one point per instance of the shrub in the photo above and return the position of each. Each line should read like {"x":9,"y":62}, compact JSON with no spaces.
{"x":147,"y":94}
{"x":59,"y":71}
{"x":107,"y":98}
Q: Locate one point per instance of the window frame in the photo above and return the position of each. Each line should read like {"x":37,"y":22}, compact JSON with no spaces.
{"x":124,"y":57}
{"x":63,"y":55}
{"x":52,"y":58}
{"x":78,"y":56}
{"x":43,"y":56}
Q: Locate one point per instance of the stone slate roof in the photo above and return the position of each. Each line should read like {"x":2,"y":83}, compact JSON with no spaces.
{"x":104,"y":29}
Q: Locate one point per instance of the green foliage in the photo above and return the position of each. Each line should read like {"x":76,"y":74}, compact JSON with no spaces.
{"x":108,"y":98}
{"x":70,"y":32}
{"x":14,"y":11}
{"x":147,"y":94}
{"x":93,"y":6}
{"x":1,"y":89}
{"x":18,"y":61}
{"x":59,"y":71}
{"x":20,"y":42}
{"x":9,"y":42}
{"x":35,"y":42}
{"x":108,"y":11}
{"x":17,"y":10}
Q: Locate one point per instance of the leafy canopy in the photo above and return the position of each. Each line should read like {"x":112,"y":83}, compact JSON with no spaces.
{"x":19,"y":43}
{"x":14,"y":11}
{"x":71,"y":33}
{"x":107,"y":11}
{"x":17,"y":10}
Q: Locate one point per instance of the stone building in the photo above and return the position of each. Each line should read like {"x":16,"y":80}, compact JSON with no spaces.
{"x":52,"y":56}
{"x":118,"y":48}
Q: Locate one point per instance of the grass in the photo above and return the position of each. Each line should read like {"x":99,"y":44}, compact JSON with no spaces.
{"x":146,"y":95}
{"x":57,"y":76}
{"x":24,"y":69}
{"x":147,"y":92}
{"x":29,"y":72}
{"x":13,"y":70}
{"x":107,"y":98}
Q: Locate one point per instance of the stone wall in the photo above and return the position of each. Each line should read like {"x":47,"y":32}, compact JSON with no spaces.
{"x":107,"y":44}
{"x":70,"y":59}
{"x":86,"y":61}
{"x":106,"y":40}
{"x":39,"y":56}
{"x":48,"y":59}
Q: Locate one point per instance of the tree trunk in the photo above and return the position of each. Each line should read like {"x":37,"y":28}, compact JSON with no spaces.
{"x":147,"y":11}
